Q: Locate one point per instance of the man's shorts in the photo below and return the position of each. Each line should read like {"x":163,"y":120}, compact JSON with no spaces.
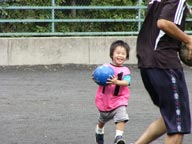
{"x":118,"y":115}
{"x":168,"y":90}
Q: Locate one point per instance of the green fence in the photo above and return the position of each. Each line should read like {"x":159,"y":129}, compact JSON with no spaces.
{"x":72,"y":20}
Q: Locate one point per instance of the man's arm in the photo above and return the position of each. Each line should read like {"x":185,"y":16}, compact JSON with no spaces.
{"x":173,"y":31}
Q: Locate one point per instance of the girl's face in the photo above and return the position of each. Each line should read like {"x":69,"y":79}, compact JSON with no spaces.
{"x":119,"y":56}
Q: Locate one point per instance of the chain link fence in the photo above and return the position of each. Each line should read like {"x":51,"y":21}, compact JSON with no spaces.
{"x":72,"y":17}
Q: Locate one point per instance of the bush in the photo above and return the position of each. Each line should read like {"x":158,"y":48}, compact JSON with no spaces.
{"x":72,"y":14}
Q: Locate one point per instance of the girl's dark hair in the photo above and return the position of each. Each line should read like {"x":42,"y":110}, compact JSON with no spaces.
{"x":119,"y":43}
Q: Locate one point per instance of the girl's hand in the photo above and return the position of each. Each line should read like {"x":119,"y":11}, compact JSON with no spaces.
{"x":92,"y":77}
{"x":112,"y":80}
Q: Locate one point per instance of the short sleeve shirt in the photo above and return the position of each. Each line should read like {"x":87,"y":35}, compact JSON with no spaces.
{"x":155,"y":49}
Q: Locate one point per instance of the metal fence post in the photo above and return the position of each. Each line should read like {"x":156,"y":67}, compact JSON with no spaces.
{"x":53,"y":16}
{"x":139,"y":14}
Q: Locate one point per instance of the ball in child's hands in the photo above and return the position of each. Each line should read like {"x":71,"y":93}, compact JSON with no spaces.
{"x":102,"y":73}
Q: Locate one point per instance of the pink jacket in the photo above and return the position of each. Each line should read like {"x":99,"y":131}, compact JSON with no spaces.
{"x":106,"y":99}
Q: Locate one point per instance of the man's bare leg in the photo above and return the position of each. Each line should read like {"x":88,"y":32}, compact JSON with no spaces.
{"x":174,"y":139}
{"x":155,"y":130}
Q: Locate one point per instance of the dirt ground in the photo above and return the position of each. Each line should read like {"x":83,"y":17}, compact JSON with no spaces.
{"x":55,"y":105}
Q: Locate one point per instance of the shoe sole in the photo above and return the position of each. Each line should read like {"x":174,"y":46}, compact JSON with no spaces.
{"x":120,"y":142}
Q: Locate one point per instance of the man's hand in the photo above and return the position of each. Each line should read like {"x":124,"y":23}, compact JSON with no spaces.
{"x":189,"y":46}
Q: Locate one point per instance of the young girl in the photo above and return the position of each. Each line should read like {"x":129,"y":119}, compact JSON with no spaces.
{"x":112,"y":100}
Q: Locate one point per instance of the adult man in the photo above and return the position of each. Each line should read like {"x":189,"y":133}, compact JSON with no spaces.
{"x":158,"y":44}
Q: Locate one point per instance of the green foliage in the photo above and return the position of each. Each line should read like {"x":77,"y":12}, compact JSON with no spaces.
{"x":68,"y":14}
{"x":26,"y":14}
{"x":189,"y":24}
{"x":71,"y":14}
{"x":113,"y":14}
{"x":100,"y":14}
